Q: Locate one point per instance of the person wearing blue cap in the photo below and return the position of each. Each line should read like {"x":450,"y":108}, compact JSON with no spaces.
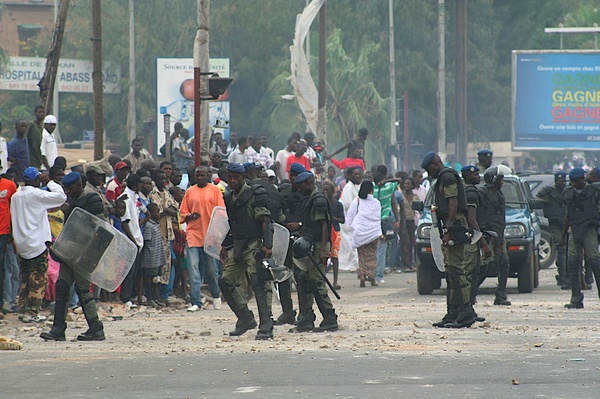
{"x":473,"y":262}
{"x":583,"y":218}
{"x":31,"y":230}
{"x":92,"y":203}
{"x":555,"y":211}
{"x":316,"y":230}
{"x":250,"y":237}
{"x":451,"y":203}
{"x":484,"y":158}
{"x":593,"y":176}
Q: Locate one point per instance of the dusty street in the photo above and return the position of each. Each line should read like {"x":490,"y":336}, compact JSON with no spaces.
{"x":385,"y":347}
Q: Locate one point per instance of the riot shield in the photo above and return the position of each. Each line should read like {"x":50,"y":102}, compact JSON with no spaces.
{"x":95,"y":249}
{"x":218,"y":227}
{"x":281,"y":241}
{"x":436,"y":248}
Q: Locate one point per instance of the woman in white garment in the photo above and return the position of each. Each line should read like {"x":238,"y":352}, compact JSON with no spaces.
{"x":364,"y":218}
{"x":348,"y":258}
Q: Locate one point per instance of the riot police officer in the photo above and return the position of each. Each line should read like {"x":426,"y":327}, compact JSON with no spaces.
{"x":473,"y":259}
{"x":491,"y":216}
{"x":484,"y":159}
{"x":583,"y":217}
{"x":451,"y":203}
{"x":555,"y":211}
{"x":316,"y":231}
{"x":250,"y":237}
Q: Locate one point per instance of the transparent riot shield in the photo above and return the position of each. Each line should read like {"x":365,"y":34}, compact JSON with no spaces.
{"x":218,"y":227}
{"x":95,"y":249}
{"x":436,"y":248}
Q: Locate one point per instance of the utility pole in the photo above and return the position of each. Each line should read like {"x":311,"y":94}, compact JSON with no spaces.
{"x":201,"y":57}
{"x":131,"y":101}
{"x":461,"y":80}
{"x":47,"y":82}
{"x":393,"y":117}
{"x":441,"y":126}
{"x":97,"y":79}
{"x":322,"y":100}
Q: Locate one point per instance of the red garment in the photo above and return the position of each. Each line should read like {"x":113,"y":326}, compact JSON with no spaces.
{"x":7,"y":189}
{"x":302,"y":160}
{"x":348,"y":163}
{"x":114,"y":189}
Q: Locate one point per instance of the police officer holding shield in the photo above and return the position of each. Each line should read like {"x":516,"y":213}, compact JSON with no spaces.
{"x":555,"y":211}
{"x":314,"y":242}
{"x":250,"y":232}
{"x":451,"y":203}
{"x":583,"y":217}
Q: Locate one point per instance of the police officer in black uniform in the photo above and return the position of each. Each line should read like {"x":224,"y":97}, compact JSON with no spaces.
{"x":91,"y":202}
{"x":315,"y":230}
{"x":491,"y":216}
{"x":293,"y":205}
{"x":451,"y":203}
{"x":583,"y":218}
{"x":555,"y":210}
{"x":250,"y":232}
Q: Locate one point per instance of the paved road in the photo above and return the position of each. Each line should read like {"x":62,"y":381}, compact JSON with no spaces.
{"x":385,"y":349}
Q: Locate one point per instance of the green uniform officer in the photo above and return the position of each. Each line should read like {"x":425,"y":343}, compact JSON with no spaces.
{"x":250,"y":232}
{"x":316,"y":229}
{"x":451,"y":203}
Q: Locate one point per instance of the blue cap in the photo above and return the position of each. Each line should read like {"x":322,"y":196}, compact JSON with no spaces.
{"x":484,"y":153}
{"x":560,"y":173}
{"x":297,"y":169}
{"x":71,"y":178}
{"x":576,"y":173}
{"x":302,"y":177}
{"x":236,"y":168}
{"x":248,"y":166}
{"x":427,"y":159}
{"x":470,"y":168}
{"x":31,"y":173}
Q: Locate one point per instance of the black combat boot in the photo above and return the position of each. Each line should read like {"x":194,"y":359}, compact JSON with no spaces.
{"x":306,"y":319}
{"x":329,"y":322}
{"x":245,"y":317}
{"x":59,"y":326}
{"x":244,"y":324}
{"x":265,"y":329}
{"x":576,"y":301}
{"x":451,"y":310}
{"x":94,"y":333}
{"x":285,"y":296}
{"x":461,"y":299}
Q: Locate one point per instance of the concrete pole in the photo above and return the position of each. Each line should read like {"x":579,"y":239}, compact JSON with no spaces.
{"x":461,"y":80}
{"x":131,"y":129}
{"x":322,"y":101}
{"x":393,"y":117}
{"x":441,"y":126}
{"x":201,"y":57}
{"x":97,"y":80}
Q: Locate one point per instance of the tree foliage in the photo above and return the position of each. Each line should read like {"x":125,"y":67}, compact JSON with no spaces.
{"x":256,"y":36}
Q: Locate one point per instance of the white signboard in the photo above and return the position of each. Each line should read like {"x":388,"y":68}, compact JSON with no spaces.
{"x":74,"y":76}
{"x":175,"y":95}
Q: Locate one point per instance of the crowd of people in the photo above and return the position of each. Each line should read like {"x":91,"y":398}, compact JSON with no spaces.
{"x":340,"y":215}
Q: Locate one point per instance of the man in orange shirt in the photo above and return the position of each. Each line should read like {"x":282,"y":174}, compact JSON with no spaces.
{"x":196,"y":209}
{"x":7,"y":189}
{"x":298,"y":157}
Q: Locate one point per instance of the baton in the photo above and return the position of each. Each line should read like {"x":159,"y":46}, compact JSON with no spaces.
{"x":324,"y":277}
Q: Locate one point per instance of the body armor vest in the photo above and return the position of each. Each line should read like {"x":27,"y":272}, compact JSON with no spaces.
{"x":446,"y":177}
{"x":491,"y":213}
{"x":582,"y":208}
{"x":312,"y":228}
{"x":242,"y":226}
{"x":555,"y":209}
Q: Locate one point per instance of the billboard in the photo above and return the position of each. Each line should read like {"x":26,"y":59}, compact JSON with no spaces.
{"x":175,"y":95}
{"x":74,"y":76}
{"x":556,"y":100}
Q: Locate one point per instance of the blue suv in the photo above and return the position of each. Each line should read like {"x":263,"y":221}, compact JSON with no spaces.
{"x":522,"y":235}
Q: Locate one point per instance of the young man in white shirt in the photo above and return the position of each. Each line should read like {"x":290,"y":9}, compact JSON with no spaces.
{"x":31,"y":230}
{"x":49,"y":148}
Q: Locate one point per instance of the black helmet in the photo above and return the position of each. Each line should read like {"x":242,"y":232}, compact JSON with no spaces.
{"x":301,"y":248}
{"x":490,"y":176}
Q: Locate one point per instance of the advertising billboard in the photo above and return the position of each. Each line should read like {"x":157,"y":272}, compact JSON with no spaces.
{"x":556,"y":100}
{"x":74,"y":76}
{"x":175,"y":95}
